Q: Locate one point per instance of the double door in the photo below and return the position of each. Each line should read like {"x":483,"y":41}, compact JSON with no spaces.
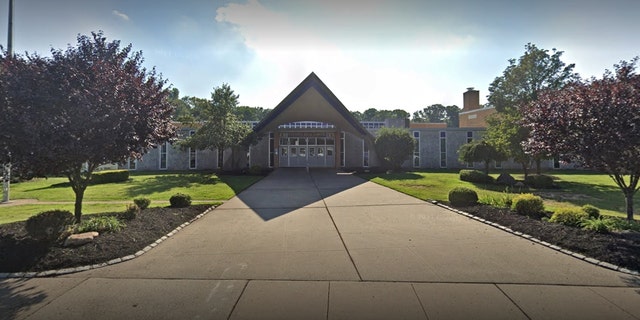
{"x":307,"y":156}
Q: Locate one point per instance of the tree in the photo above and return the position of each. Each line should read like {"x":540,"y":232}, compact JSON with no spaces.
{"x":245,"y":113}
{"x":89,"y":105}
{"x":480,"y":151}
{"x":373,"y":114}
{"x":182,"y":108}
{"x":520,"y":84}
{"x":438,"y":113}
{"x":394,"y":146}
{"x":595,"y":123}
{"x":221,"y":129}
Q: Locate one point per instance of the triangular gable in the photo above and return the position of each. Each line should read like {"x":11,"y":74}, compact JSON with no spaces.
{"x":311,"y":100}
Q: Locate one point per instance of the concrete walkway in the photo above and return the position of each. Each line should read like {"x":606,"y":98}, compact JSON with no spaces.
{"x":326,"y":245}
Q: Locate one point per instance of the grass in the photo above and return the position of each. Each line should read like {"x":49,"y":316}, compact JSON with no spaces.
{"x":200,"y":186}
{"x":576,"y":188}
{"x":203,"y":187}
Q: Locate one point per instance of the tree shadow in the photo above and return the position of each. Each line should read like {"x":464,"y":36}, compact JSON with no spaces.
{"x":161,"y":183}
{"x":17,"y":296}
{"x":395,"y":176}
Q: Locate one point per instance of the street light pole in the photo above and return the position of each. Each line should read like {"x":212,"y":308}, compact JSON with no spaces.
{"x":10,"y":30}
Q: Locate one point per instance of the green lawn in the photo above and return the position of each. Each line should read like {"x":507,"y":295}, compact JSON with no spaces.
{"x":205,"y":188}
{"x":576,"y":188}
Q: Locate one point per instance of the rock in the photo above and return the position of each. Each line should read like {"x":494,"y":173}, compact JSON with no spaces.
{"x":506,"y":179}
{"x":79,"y":239}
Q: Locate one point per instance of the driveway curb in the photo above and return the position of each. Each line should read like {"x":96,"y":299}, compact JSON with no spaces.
{"x":576,"y":255}
{"x":58,"y":272}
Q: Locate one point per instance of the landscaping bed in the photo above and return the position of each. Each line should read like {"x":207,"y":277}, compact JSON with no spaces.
{"x":619,"y":248}
{"x":20,"y":253}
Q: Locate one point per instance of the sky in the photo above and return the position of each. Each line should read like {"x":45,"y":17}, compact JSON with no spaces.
{"x":380,"y":54}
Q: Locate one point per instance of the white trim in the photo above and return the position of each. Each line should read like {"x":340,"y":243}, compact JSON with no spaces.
{"x":166,"y":156}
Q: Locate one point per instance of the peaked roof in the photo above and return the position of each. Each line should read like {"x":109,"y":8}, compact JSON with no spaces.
{"x":303,"y":104}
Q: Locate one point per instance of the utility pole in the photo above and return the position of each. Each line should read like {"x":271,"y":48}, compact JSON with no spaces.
{"x":6,"y":168}
{"x":10,"y":30}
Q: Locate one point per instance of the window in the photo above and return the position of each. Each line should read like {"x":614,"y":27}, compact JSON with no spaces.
{"x":416,"y":149}
{"x":342,"y":147}
{"x":163,"y":155}
{"x":220,"y":158}
{"x":556,"y":162}
{"x":193,"y":155}
{"x":365,"y":154}
{"x":271,"y":150}
{"x":132,"y":163}
{"x":443,"y":149}
{"x":469,"y":136}
{"x":498,"y":165}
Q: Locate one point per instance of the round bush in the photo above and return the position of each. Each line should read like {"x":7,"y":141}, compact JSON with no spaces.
{"x":180,"y":200}
{"x":463,"y":197}
{"x":48,"y":225}
{"x":593,"y":212}
{"x":528,"y":205}
{"x":539,"y":181}
{"x":569,"y":216}
{"x":476,"y":176}
{"x":142,"y":203}
{"x":131,"y":212}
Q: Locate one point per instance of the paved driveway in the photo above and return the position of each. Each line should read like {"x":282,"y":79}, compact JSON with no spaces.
{"x":330,"y":245}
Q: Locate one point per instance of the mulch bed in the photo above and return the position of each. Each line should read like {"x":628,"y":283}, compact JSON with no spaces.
{"x":619,"y":248}
{"x":19,"y":253}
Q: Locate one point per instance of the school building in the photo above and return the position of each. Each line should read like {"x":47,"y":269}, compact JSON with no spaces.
{"x":312,"y":128}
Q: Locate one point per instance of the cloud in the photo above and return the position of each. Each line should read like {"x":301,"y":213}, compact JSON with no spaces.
{"x":365,"y":63}
{"x":120,"y":15}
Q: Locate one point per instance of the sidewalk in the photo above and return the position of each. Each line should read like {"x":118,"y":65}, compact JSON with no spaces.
{"x":325,"y":245}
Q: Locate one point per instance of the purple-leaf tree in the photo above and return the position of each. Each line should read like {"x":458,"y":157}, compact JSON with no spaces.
{"x":98,"y":105}
{"x":595,"y":123}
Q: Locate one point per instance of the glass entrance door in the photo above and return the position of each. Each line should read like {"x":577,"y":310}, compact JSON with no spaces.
{"x":307,"y":149}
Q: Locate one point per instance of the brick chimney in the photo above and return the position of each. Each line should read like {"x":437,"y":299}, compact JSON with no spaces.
{"x":471,"y":100}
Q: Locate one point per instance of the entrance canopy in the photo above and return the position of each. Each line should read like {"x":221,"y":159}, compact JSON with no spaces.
{"x":311,"y":100}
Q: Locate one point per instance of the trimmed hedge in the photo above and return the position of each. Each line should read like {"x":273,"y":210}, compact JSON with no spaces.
{"x":49,"y":225}
{"x":109,"y":176}
{"x":476,"y":176}
{"x":593,"y":212}
{"x":463,"y":197}
{"x":539,"y":181}
{"x":180,"y":200}
{"x":528,"y":204}
{"x":569,"y":216}
{"x":142,"y":203}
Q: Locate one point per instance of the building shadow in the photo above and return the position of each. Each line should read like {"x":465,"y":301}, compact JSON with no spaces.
{"x":286,"y":190}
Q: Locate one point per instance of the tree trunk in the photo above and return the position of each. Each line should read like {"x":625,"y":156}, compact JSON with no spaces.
{"x":79,"y":185}
{"x":628,"y":197}
{"x":525,"y":169}
{"x":78,"y":205}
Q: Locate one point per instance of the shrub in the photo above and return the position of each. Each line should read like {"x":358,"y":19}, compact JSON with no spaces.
{"x":593,"y":212}
{"x":48,"y":225}
{"x":597,"y":225}
{"x":180,"y":200}
{"x":539,"y":181}
{"x":100,"y":224}
{"x":255,"y":170}
{"x":142,"y":203}
{"x":131,"y":212}
{"x":569,"y":216}
{"x":109,"y":176}
{"x":528,"y":204}
{"x":463,"y":197}
{"x":476,"y":176}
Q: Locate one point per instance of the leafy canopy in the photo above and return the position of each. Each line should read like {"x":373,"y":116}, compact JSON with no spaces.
{"x":595,"y":123}
{"x":394,"y":146}
{"x":91,"y":104}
